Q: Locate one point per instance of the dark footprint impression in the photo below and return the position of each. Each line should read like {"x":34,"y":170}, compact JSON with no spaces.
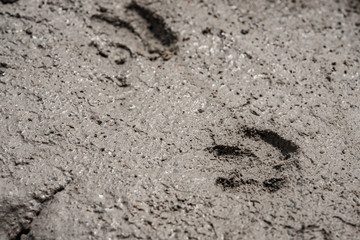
{"x":286,"y":147}
{"x":263,"y":160}
{"x":138,"y":30}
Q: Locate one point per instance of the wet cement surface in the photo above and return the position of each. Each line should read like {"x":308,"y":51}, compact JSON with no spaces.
{"x":179,"y":119}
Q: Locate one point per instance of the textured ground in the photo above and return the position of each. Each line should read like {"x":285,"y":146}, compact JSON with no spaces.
{"x":179,"y":119}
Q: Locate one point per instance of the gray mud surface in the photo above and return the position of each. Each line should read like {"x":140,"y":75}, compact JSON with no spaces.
{"x":182,"y":119}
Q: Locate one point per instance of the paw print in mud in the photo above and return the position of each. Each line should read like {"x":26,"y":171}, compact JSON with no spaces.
{"x":261,"y":159}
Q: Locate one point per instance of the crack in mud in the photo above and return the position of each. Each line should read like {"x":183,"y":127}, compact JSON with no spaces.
{"x":347,"y":222}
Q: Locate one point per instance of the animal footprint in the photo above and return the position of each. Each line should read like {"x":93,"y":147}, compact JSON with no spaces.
{"x":136,"y":31}
{"x":261,"y":160}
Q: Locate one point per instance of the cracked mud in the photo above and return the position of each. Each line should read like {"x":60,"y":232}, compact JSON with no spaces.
{"x":179,"y":119}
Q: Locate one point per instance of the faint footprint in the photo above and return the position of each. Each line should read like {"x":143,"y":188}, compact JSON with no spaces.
{"x":138,"y":30}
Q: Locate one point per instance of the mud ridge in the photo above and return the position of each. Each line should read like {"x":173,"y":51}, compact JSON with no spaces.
{"x":115,"y":21}
{"x":122,"y":46}
{"x":25,"y":230}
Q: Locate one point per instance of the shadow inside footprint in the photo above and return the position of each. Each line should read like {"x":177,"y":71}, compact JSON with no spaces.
{"x":286,"y":147}
{"x":223,"y":150}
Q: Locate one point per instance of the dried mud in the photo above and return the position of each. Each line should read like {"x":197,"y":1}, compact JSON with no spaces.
{"x":179,"y":119}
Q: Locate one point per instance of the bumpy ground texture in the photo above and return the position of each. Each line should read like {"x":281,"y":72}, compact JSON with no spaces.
{"x":183,"y":119}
